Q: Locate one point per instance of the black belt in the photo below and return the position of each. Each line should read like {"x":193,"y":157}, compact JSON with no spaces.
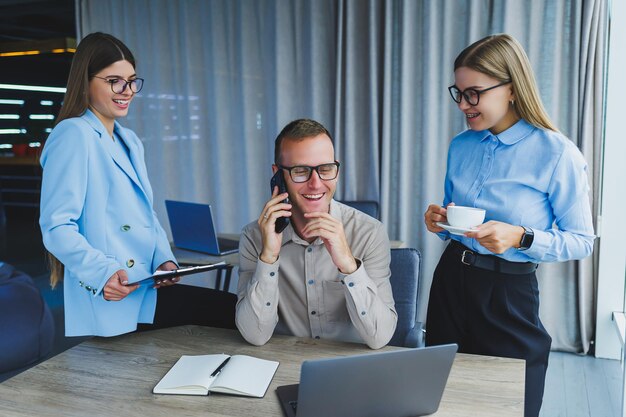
{"x":492,"y":263}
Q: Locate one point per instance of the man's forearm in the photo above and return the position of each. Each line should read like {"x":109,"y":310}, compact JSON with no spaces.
{"x":256,"y":313}
{"x":370,"y":308}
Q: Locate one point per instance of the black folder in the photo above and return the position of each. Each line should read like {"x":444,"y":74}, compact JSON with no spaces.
{"x":188,"y":270}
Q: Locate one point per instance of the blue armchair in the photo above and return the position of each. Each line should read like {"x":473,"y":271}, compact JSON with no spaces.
{"x":368,"y":207}
{"x":405,"y":285}
{"x":26,"y":323}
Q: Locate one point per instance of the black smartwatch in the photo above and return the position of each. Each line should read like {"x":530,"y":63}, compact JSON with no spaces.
{"x":527,"y":238}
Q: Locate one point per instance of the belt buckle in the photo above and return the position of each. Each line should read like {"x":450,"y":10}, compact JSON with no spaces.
{"x":465,"y":253}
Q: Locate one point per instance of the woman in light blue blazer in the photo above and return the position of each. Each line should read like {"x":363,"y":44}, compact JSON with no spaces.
{"x":97,"y":217}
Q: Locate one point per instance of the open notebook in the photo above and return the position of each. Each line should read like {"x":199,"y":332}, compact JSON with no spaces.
{"x":199,"y":375}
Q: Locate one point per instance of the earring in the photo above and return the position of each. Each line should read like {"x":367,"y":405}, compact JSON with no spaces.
{"x":512,"y":102}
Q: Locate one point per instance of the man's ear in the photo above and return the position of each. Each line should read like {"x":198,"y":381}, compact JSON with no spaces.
{"x":274,"y":168}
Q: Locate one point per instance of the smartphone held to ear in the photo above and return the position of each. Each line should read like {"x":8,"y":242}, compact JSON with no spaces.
{"x":278,"y":180}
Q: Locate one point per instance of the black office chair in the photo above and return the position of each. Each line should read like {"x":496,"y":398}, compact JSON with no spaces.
{"x":405,"y":285}
{"x":368,"y":207}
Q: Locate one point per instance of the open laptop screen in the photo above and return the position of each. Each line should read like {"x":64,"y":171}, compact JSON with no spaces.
{"x":193,"y":228}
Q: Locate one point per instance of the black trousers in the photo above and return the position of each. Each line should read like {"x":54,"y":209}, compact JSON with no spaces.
{"x":490,"y":313}
{"x":180,"y":305}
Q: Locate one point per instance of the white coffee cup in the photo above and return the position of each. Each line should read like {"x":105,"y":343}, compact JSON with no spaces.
{"x":465,"y":217}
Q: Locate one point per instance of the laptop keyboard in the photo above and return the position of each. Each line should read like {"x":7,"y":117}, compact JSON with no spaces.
{"x":227,"y":244}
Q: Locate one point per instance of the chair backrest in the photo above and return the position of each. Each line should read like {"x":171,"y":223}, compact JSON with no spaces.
{"x":368,"y":207}
{"x":405,"y":285}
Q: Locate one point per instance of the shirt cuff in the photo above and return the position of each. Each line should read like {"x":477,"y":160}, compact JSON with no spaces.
{"x":359,"y":277}
{"x":541,"y":243}
{"x":267,"y":274}
{"x":359,"y":265}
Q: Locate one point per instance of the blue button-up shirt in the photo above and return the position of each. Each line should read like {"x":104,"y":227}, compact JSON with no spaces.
{"x":524,"y":176}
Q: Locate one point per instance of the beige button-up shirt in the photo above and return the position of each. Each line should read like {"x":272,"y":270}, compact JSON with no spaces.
{"x":304,"y":294}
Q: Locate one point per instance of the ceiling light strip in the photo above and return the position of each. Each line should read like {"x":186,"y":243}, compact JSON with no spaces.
{"x":11,"y":101}
{"x":19,"y":53}
{"x":32,"y":88}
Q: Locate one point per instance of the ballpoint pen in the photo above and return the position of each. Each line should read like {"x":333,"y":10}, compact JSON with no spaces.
{"x":219,"y":368}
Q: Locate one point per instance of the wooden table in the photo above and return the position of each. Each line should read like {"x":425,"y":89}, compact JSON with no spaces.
{"x":115,"y":377}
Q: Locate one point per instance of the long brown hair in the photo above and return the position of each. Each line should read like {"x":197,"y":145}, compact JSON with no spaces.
{"x":94,"y":53}
{"x":503,"y":58}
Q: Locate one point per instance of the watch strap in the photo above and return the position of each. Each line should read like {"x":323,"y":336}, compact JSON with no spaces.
{"x":527,"y":238}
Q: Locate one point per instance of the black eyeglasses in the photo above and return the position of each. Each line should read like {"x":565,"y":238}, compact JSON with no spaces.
{"x":118,"y":85}
{"x":471,"y":95}
{"x":302,"y":173}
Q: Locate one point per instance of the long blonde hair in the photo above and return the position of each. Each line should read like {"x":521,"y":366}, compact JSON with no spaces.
{"x":503,"y":58}
{"x":94,"y":53}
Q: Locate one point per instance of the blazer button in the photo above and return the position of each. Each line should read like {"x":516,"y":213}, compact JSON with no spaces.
{"x":130,"y":263}
{"x":125,"y":228}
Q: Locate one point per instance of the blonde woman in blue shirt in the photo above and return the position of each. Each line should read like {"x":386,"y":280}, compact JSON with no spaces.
{"x":97,"y":217}
{"x":514,"y":163}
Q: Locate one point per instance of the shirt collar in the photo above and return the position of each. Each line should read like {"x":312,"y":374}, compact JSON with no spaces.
{"x":290,"y":235}
{"x":513,"y":134}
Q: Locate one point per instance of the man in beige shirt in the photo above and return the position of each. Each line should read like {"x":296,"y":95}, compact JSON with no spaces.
{"x":327,"y":274}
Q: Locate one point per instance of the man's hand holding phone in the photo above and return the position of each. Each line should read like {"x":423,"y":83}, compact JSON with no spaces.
{"x":274,"y":209}
{"x":278,"y":180}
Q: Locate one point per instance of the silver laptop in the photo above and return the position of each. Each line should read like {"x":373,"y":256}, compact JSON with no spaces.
{"x":407,"y":382}
{"x":193,"y":229}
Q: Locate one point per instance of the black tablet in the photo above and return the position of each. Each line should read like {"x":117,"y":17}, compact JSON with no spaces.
{"x":188,"y":270}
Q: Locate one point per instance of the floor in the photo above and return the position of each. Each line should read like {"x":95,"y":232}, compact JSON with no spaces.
{"x":582,"y":386}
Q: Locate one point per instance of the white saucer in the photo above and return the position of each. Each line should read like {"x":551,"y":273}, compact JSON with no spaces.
{"x":455,"y":230}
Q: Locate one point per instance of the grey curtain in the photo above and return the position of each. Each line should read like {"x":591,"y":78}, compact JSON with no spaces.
{"x":223,"y":77}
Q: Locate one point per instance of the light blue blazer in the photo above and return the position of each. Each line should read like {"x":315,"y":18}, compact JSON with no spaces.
{"x":97,"y":217}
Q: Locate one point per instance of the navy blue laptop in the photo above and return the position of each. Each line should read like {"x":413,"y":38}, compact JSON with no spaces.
{"x":193,"y":229}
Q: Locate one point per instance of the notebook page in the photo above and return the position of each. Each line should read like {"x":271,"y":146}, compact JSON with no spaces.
{"x":245,"y":375}
{"x":190,"y":375}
